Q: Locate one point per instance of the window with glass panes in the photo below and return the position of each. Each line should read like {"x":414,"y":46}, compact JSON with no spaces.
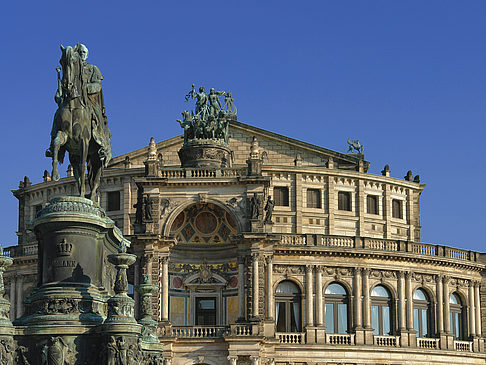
{"x":336,"y":308}
{"x":281,"y":195}
{"x":456,"y":316}
{"x":344,"y":200}
{"x":372,"y":204}
{"x":288,"y":307}
{"x":313,"y":198}
{"x":421,"y":313}
{"x":381,"y":311}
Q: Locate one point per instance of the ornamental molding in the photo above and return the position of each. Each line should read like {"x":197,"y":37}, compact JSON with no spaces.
{"x":288,"y":270}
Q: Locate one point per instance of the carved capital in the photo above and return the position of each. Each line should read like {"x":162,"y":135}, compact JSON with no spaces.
{"x":319,"y":269}
{"x":366,"y":271}
{"x":446,"y":279}
{"x":255,"y":256}
{"x":408,"y":275}
{"x":309,"y":269}
{"x":438,"y":278}
{"x":164,"y":260}
{"x":269,"y":259}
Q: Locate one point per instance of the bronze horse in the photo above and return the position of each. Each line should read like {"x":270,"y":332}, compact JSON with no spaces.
{"x":73,"y":126}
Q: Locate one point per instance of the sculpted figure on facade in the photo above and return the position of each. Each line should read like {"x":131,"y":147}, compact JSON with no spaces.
{"x":269,"y":210}
{"x":209,"y":119}
{"x":255,"y":203}
{"x":355,"y":145}
{"x":55,"y":351}
{"x":80,"y":126}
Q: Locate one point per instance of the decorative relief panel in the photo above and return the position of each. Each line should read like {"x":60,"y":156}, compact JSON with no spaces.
{"x":289,"y":270}
{"x":204,"y":223}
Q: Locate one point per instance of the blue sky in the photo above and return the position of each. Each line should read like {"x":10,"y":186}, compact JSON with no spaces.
{"x":405,"y":77}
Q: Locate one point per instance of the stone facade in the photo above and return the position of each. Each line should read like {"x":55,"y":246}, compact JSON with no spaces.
{"x":333,"y":276}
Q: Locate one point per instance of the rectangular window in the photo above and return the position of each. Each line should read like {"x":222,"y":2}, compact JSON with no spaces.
{"x":397,"y":209}
{"x":344,"y":200}
{"x":372,"y":204}
{"x":375,"y":320}
{"x":329,"y":317}
{"x":386,"y":321}
{"x":113,"y":202}
{"x":314,"y":198}
{"x":342,"y":318}
{"x":281,"y":196}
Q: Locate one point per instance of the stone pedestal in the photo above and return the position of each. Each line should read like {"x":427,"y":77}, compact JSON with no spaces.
{"x":75,"y":237}
{"x":205,"y":153}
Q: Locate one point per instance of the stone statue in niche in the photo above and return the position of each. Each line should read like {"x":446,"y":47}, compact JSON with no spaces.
{"x":255,"y":203}
{"x":269,"y":210}
{"x":55,"y":351}
{"x":148,"y":206}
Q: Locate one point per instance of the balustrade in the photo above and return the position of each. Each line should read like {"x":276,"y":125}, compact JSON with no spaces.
{"x":330,"y":241}
{"x":424,"y":249}
{"x":339,"y":339}
{"x":377,"y":244}
{"x":199,"y":331}
{"x":465,"y":346}
{"x":428,"y":343}
{"x":387,"y":341}
{"x":242,"y":330}
{"x":290,"y":338}
{"x":201,"y":173}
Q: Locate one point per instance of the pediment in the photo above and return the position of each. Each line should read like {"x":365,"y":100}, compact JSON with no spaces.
{"x":280,"y":150}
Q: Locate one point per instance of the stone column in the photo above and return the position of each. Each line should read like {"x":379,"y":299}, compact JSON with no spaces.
{"x":241,"y":288}
{"x":478,"y":308}
{"x":255,"y":285}
{"x":319,"y":299}
{"x":18,"y":295}
{"x":366,"y":299}
{"x":255,"y":360}
{"x":270,"y":301}
{"x":447,"y":310}
{"x":409,"y":295}
{"x":232,"y":359}
{"x":164,"y":310}
{"x":472,"y":311}
{"x":12,"y":297}
{"x":402,"y":302}
{"x":358,"y":303}
{"x":440,"y":305}
{"x":309,"y":296}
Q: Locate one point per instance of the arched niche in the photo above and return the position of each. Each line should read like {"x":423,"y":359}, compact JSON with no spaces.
{"x":202,"y":223}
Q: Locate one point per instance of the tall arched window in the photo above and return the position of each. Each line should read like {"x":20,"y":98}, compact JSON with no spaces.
{"x":381,"y":311}
{"x":457,"y":316}
{"x":336,"y":308}
{"x":421,"y":313}
{"x":288,"y":307}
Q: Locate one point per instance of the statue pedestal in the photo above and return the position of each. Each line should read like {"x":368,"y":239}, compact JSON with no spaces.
{"x":205,"y":153}
{"x":75,"y":237}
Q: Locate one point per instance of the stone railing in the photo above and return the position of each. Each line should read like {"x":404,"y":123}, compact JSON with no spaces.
{"x":377,"y":244}
{"x":22,"y":250}
{"x":423,"y":249}
{"x":464,"y":346}
{"x":418,"y":248}
{"x":339,"y":339}
{"x":428,"y":343}
{"x":242,"y":330}
{"x":290,"y":338}
{"x":330,"y":241}
{"x":201,"y":173}
{"x":387,"y":341}
{"x":199,"y":331}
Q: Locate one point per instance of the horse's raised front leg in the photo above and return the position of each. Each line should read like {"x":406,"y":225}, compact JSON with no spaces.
{"x":59,"y":141}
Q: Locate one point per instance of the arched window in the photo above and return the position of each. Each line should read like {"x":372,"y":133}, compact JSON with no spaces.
{"x":457,"y":316}
{"x":288,"y":307}
{"x":421,"y":313}
{"x":336,"y":308}
{"x":381,"y":308}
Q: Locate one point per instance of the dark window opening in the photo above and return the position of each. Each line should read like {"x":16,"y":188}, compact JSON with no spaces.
{"x":344,"y":200}
{"x":288,"y":307}
{"x":113,"y":198}
{"x":205,"y":311}
{"x":397,"y":209}
{"x":313,"y":198}
{"x":281,"y":196}
{"x":372,"y":204}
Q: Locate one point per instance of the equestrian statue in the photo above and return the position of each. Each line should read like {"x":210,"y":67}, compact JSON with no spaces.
{"x":80,"y":126}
